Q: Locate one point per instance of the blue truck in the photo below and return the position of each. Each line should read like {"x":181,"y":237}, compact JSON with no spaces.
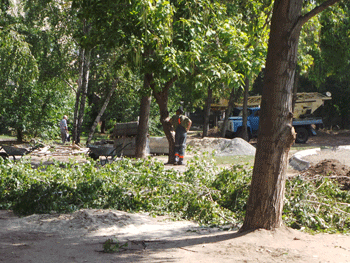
{"x":304,"y":127}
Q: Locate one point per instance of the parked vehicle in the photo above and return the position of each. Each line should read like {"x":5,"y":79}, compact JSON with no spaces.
{"x":303,"y":123}
{"x":303,"y":127}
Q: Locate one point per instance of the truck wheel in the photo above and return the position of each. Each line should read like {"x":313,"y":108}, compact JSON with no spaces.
{"x":229,"y":134}
{"x":239,"y":134}
{"x":4,"y":155}
{"x":302,"y":135}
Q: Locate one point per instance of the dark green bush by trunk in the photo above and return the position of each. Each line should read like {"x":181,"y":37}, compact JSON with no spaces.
{"x":203,"y":193}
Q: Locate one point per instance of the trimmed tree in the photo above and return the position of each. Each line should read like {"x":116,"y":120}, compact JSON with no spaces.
{"x":276,"y":133}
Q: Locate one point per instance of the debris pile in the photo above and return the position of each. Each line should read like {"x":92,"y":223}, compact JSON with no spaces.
{"x":333,"y":169}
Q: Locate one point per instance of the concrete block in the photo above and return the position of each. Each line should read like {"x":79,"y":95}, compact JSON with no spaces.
{"x":125,"y":129}
{"x":298,"y":164}
{"x":159,"y":145}
{"x":130,"y":149}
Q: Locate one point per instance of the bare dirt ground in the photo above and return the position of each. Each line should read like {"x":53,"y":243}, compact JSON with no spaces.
{"x":329,"y":138}
{"x":79,"y":237}
{"x":332,"y":160}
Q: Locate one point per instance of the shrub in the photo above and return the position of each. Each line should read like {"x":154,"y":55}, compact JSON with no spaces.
{"x":203,"y":193}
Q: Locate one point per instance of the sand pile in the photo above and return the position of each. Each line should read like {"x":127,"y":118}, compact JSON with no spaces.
{"x":222,"y":147}
{"x":99,"y":222}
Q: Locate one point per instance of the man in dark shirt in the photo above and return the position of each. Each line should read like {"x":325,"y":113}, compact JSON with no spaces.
{"x":181,"y":124}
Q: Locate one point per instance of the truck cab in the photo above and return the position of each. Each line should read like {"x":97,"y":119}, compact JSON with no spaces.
{"x":236,"y":122}
{"x":304,"y":127}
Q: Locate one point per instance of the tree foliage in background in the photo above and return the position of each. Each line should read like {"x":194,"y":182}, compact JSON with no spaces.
{"x":33,"y":66}
{"x":201,"y":44}
{"x":19,"y":71}
{"x":256,"y":17}
{"x":334,"y":64}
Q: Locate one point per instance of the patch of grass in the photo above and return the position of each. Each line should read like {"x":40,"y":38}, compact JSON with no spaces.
{"x":301,"y":148}
{"x":97,"y":137}
{"x":245,"y":160}
{"x":7,"y":137}
{"x":111,"y":246}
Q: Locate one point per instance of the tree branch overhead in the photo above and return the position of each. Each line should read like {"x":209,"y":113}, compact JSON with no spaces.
{"x":303,"y":19}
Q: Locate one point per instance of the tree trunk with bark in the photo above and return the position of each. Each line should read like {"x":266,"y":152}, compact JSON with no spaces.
{"x":207,"y":112}
{"x":228,"y":112}
{"x":83,"y":81}
{"x":244,"y":132}
{"x":276,"y":133}
{"x":162,"y":101}
{"x":19,"y":135}
{"x":142,"y":129}
{"x":295,"y":87}
{"x":78,"y":95}
{"x":99,"y":115}
{"x":84,"y":89}
{"x":103,"y":126}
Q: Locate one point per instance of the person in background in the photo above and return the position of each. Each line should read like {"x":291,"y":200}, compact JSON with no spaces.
{"x":64,"y":129}
{"x":181,"y":125}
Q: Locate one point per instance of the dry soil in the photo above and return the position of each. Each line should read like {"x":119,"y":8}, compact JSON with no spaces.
{"x":79,"y":237}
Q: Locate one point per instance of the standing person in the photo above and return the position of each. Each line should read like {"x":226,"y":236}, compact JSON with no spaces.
{"x":64,"y":128}
{"x":181,"y":125}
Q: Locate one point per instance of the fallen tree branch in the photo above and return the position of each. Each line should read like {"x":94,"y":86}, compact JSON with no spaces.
{"x":332,"y":206}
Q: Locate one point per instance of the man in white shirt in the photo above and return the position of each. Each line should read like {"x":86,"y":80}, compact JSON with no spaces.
{"x":64,"y":129}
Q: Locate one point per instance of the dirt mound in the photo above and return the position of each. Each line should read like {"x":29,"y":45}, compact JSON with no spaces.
{"x":100,"y":222}
{"x":222,"y":147}
{"x":80,"y":237}
{"x":332,"y":168}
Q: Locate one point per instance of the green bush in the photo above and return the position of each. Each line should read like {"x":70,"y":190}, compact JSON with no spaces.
{"x":203,"y":193}
{"x":316,"y":204}
{"x":233,"y":188}
{"x":129,"y":185}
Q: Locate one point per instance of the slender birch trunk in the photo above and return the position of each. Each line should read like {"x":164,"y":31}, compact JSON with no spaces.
{"x":207,"y":112}
{"x":228,"y":112}
{"x":78,"y":94}
{"x":98,"y":117}
{"x":84,"y":89}
{"x":244,"y":133}
{"x":142,"y":129}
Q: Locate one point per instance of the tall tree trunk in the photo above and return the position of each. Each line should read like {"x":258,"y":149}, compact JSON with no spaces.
{"x":83,"y":82}
{"x":264,"y":208}
{"x":103,"y":126}
{"x":244,"y":134}
{"x":84,"y":89}
{"x":276,"y":134}
{"x":295,"y":87}
{"x":98,"y":117}
{"x":228,"y":112}
{"x":19,"y":135}
{"x":78,"y":94}
{"x":142,"y":129}
{"x":207,"y":112}
{"x":162,"y":101}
